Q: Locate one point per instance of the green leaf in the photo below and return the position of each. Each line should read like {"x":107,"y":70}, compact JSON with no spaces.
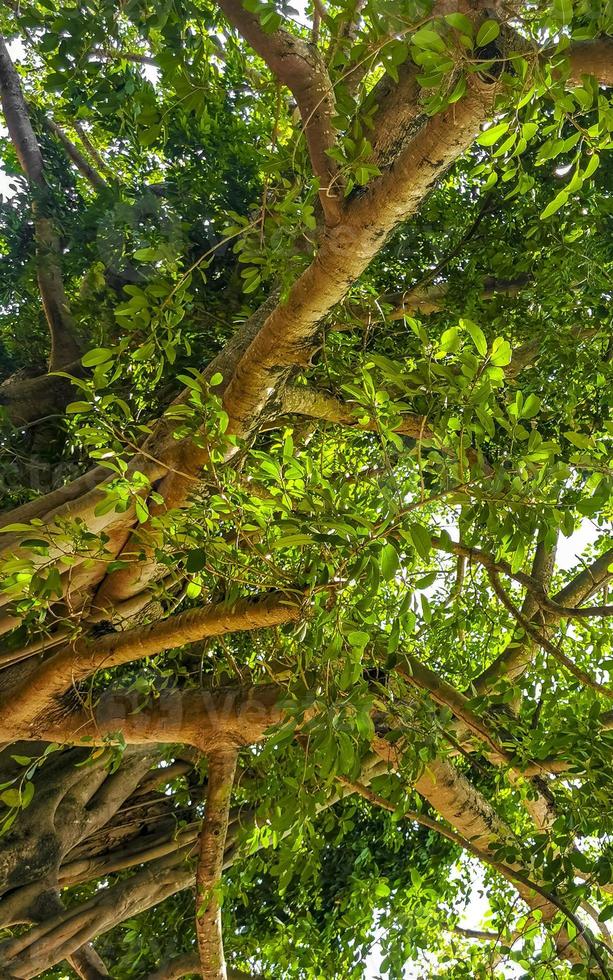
{"x":592,"y":164}
{"x":461,"y":23}
{"x":562,"y":12}
{"x":450,"y":341}
{"x":98,"y":355}
{"x":81,"y":407}
{"x":531,"y":407}
{"x":555,"y":205}
{"x":292,"y":540}
{"x":491,"y":135}
{"x":382,"y":889}
{"x":196,"y":560}
{"x":420,"y":537}
{"x":477,"y":336}
{"x":11,"y":797}
{"x":488,"y":32}
{"x":501,"y":352}
{"x":389,"y":562}
{"x":578,"y":439}
{"x":358,"y":639}
{"x":27,"y":794}
{"x":428,"y":40}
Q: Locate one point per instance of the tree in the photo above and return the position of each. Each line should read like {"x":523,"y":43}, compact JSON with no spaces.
{"x":306,"y":352}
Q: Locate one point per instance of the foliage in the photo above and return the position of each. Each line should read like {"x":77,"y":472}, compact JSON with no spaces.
{"x":456,"y":398}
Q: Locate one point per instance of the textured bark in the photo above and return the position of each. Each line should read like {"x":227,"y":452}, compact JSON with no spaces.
{"x":221,"y":770}
{"x":516,"y":657}
{"x":420,"y":676}
{"x":59,"y":936}
{"x":80,"y":659}
{"x":479,"y":829}
{"x":299,"y":65}
{"x":288,"y":336}
{"x":87,"y":964}
{"x":193,"y":717}
{"x":327,"y":408}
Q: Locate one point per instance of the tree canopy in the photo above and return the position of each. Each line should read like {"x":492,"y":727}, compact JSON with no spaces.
{"x":305,"y":353}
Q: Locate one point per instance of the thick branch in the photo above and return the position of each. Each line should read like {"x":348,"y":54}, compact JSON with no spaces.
{"x":87,"y":964}
{"x":288,"y":336}
{"x":533,"y":585}
{"x":547,"y":645}
{"x":58,"y":937}
{"x":517,"y":656}
{"x":591,"y":58}
{"x":85,"y":656}
{"x":298,"y":400}
{"x":221,"y":769}
{"x":420,"y":676}
{"x":299,"y":66}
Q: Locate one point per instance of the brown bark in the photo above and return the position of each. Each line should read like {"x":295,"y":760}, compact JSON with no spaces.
{"x":420,"y":676}
{"x":83,"y":166}
{"x":288,"y":336}
{"x":515,"y":659}
{"x":85,"y":656}
{"x":544,"y":642}
{"x":299,"y":65}
{"x":59,"y":936}
{"x":200,"y":718}
{"x":534,"y":585}
{"x":325,"y":407}
{"x":87,"y":964}
{"x":64,"y":343}
{"x":478,"y":824}
{"x":189,"y":963}
{"x":221,"y":770}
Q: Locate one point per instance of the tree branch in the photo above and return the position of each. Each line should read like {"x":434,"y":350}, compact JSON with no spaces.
{"x":73,"y":152}
{"x":420,"y":676}
{"x":85,"y":656}
{"x":315,"y":404}
{"x":542,"y":640}
{"x":299,"y":65}
{"x":221,"y":770}
{"x":64,"y":344}
{"x":533,"y":585}
{"x":87,"y":964}
{"x":288,"y":335}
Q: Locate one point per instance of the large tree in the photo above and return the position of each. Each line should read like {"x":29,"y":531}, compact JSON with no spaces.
{"x":305,"y":346}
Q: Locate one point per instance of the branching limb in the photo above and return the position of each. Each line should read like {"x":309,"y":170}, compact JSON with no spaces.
{"x":87,"y":964}
{"x":189,"y":963}
{"x":545,"y":643}
{"x":532,"y":584}
{"x":300,"y":67}
{"x":221,"y":770}
{"x":479,"y":830}
{"x":60,"y":936}
{"x":73,"y":152}
{"x":420,"y":676}
{"x":82,"y":658}
{"x":192,"y":717}
{"x":91,"y":149}
{"x":587,"y":582}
